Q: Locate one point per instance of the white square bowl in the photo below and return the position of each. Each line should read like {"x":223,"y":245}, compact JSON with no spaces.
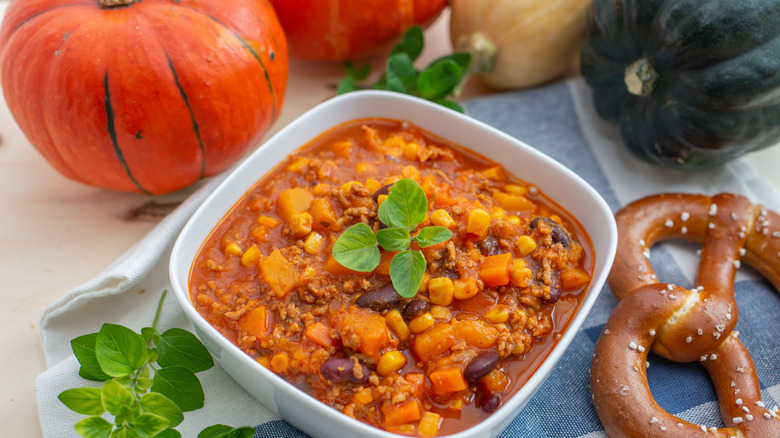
{"x":560,"y":184}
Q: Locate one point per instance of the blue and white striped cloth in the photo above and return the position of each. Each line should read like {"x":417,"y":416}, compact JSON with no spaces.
{"x":558,"y":119}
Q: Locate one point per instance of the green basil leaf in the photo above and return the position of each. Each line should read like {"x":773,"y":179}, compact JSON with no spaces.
{"x":455,"y":106}
{"x":406,"y":204}
{"x":115,"y":396}
{"x":356,"y":248}
{"x":85,"y":401}
{"x":143,"y":384}
{"x":178,"y":347}
{"x":400,"y":76}
{"x":406,"y":272}
{"x":147,"y":333}
{"x":94,"y":427}
{"x":358,"y":74}
{"x":440,"y":79}
{"x":84,"y":349}
{"x":148,"y":425}
{"x":124,"y":432}
{"x":119,"y":350}
{"x":431,"y":236}
{"x":168,"y":433}
{"x":214,"y":431}
{"x":181,"y":386}
{"x":393,"y":239}
{"x":156,"y":403}
{"x":463,"y":59}
{"x":411,"y":44}
{"x":347,"y":85}
{"x":383,"y":215}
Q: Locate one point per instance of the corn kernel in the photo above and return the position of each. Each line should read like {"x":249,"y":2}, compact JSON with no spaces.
{"x":497,"y":213}
{"x":314,"y":243}
{"x":429,"y":424}
{"x":525,"y":245}
{"x":347,"y":186}
{"x":556,"y":218}
{"x":268,"y":221}
{"x":441,"y":218}
{"x":300,"y":224}
{"x":478,"y":222}
{"x":495,"y":173}
{"x":422,"y":322}
{"x":522,"y":275}
{"x":390,"y":362}
{"x":308,"y":273}
{"x":516,"y":189}
{"x":514,"y":219}
{"x":411,"y":172}
{"x":264,"y":361}
{"x":465,"y":288}
{"x":397,"y":324}
{"x":363,"y":396}
{"x":250,"y":256}
{"x":364,"y":167}
{"x":321,"y":189}
{"x":498,"y":314}
{"x":233,"y":249}
{"x":380,"y":199}
{"x":280,"y":363}
{"x":441,"y":313}
{"x":424,"y":283}
{"x":440,"y":290}
{"x":298,"y":165}
{"x":410,"y":151}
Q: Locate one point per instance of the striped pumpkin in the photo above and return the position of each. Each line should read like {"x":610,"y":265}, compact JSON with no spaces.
{"x":147,"y":96}
{"x":337,"y":30}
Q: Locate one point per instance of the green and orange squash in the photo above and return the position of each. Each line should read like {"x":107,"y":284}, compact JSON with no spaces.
{"x":144,"y":96}
{"x":338,"y":30}
{"x":692,"y":84}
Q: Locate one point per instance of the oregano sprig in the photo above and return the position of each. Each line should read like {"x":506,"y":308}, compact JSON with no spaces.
{"x":403,"y":210}
{"x":437,"y":82}
{"x":148,"y":380}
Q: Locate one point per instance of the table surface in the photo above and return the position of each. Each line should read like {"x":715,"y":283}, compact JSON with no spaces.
{"x":56,"y":234}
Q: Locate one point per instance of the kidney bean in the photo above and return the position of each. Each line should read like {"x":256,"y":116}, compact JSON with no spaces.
{"x":491,"y":402}
{"x":480,"y":366}
{"x":382,"y":298}
{"x":340,"y":370}
{"x":414,"y":308}
{"x":489,"y":246}
{"x":558,"y":234}
{"x":385,"y":189}
{"x":555,"y":293}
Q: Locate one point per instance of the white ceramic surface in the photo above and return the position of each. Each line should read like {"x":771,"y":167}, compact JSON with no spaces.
{"x":557,"y":182}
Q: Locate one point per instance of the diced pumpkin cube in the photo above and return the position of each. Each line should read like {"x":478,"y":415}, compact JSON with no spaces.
{"x":574,"y":278}
{"x":475,"y":332}
{"x":404,"y":413}
{"x":384,"y":263}
{"x":324,"y":216}
{"x":522,"y":274}
{"x":319,"y":334}
{"x":448,"y":380}
{"x":251,"y":256}
{"x":429,"y":424}
{"x":255,"y":322}
{"x":336,"y":268}
{"x":494,"y":271}
{"x":342,"y":148}
{"x":291,"y":201}
{"x":365,"y":331}
{"x":510,"y":201}
{"x":280,"y":363}
{"x":496,"y":381}
{"x":280,"y":275}
{"x":314,"y":243}
{"x":300,"y":224}
{"x":432,"y":343}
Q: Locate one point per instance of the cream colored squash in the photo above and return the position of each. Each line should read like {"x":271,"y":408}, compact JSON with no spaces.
{"x":518,"y":43}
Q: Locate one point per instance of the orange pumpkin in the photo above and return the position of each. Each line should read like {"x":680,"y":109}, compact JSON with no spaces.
{"x":147,"y":96}
{"x":337,"y":30}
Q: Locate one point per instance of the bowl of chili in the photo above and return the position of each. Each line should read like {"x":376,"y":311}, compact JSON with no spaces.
{"x":439,"y":314}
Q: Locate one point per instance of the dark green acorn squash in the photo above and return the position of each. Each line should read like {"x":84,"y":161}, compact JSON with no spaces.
{"x":691,"y":83}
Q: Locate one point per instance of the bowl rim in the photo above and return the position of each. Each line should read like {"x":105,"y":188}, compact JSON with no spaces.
{"x":237,"y":182}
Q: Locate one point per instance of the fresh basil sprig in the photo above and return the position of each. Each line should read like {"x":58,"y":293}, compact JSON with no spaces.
{"x":439,"y":80}
{"x":402,"y":211}
{"x":148,"y":380}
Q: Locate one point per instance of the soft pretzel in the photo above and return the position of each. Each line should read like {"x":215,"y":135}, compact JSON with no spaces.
{"x":684,"y":325}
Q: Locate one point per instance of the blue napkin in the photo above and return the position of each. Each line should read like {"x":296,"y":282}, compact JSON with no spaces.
{"x":559,"y":120}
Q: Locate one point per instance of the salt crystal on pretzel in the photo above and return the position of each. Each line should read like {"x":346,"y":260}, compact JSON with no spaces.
{"x":731,"y":231}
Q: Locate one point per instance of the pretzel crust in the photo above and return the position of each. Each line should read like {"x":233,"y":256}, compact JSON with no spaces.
{"x":684,"y":325}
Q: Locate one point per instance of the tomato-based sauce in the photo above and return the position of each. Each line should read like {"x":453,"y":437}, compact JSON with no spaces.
{"x":493,"y":302}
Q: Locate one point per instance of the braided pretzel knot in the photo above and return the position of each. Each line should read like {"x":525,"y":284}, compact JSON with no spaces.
{"x":684,"y":325}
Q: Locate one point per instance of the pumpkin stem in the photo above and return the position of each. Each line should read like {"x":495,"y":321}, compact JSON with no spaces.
{"x":114,"y":3}
{"x":483,"y":51}
{"x":640,"y":78}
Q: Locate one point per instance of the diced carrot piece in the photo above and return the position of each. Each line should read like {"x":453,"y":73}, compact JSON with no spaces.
{"x":494,"y":271}
{"x":417,"y":382}
{"x":448,"y":380}
{"x":475,"y":332}
{"x":509,"y":201}
{"x":365,"y":331}
{"x":320,"y":334}
{"x":408,"y":412}
{"x":323,"y":215}
{"x":280,"y":275}
{"x":496,"y":381}
{"x":255,"y":323}
{"x":291,"y":201}
{"x":384,"y":263}
{"x":431,"y":343}
{"x":573,"y":278}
